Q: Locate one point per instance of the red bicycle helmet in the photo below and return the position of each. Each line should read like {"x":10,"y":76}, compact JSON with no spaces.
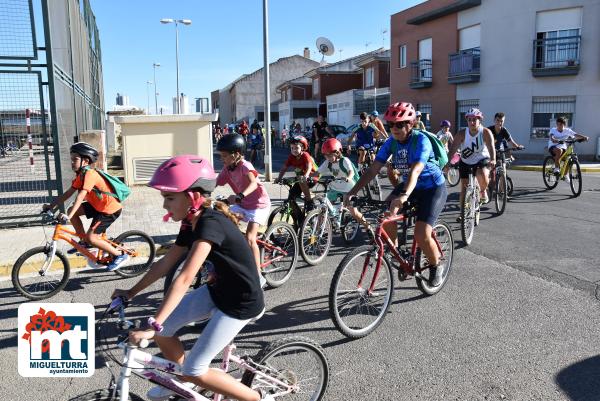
{"x":474,"y":113}
{"x":399,"y":112}
{"x":301,"y":140}
{"x":330,"y":146}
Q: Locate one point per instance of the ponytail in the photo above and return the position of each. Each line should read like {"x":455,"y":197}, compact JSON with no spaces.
{"x":223,"y":208}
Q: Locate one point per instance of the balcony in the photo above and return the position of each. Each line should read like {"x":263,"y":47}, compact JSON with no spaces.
{"x":420,"y":74}
{"x":464,"y":66}
{"x":556,"y":56}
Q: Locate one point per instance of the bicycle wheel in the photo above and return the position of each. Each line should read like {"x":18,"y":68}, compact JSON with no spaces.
{"x":32,"y":282}
{"x":575,"y":181}
{"x":105,"y":395}
{"x":501,"y":195}
{"x":283,"y":256}
{"x":282,"y":213}
{"x":143,"y":245}
{"x":509,"y":186}
{"x":315,"y":237}
{"x":349,"y":227}
{"x":550,"y":179}
{"x":298,"y":362}
{"x":355,"y":310}
{"x":453,"y":176}
{"x":467,"y":216}
{"x":443,"y":235}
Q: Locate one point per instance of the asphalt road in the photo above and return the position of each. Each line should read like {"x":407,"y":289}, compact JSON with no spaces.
{"x":517,"y":319}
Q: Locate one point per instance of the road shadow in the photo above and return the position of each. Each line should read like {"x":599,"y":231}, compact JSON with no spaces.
{"x":537,"y":195}
{"x":581,"y":381}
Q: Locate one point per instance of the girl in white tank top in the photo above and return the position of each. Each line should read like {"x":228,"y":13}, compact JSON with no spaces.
{"x":473,"y":149}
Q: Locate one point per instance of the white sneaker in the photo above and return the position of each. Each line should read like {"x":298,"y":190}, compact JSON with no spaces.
{"x":484,"y":197}
{"x":556,"y":170}
{"x":160,"y":393}
{"x":263,"y":281}
{"x":566,"y":178}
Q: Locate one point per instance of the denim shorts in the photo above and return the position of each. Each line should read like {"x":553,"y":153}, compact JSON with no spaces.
{"x":220,"y":330}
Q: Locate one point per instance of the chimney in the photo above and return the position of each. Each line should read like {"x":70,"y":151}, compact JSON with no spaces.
{"x":306,"y":52}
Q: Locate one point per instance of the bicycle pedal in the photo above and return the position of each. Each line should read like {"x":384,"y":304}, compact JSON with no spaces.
{"x":403,"y":276}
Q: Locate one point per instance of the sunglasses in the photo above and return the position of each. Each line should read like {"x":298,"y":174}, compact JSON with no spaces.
{"x":399,"y":125}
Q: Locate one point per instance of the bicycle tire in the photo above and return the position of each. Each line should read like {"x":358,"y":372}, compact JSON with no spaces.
{"x":444,"y":237}
{"x":347,"y":325}
{"x":467,"y":217}
{"x":20,"y":275}
{"x":509,"y":186}
{"x":286,"y":264}
{"x":315,"y":247}
{"x":453,"y":176}
{"x":349,"y":227}
{"x":291,"y":347}
{"x":283,"y":213}
{"x":146,"y":255}
{"x":104,"y":395}
{"x":501,"y":195}
{"x":550,"y":179}
{"x":575,"y":180}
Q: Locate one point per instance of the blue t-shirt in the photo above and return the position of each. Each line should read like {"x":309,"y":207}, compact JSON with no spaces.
{"x":364,"y":136}
{"x":406,"y":155}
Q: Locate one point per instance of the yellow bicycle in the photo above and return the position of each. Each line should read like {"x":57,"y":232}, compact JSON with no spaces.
{"x":570,"y":169}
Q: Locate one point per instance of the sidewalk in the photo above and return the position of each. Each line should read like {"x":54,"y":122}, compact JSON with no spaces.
{"x":536,"y":165}
{"x":142,"y":211}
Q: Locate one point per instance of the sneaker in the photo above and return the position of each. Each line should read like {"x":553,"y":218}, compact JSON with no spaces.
{"x":160,"y":393}
{"x":263,"y":281}
{"x":566,"y":178}
{"x":437,"y":274}
{"x":83,"y":244}
{"x":484,"y":198}
{"x":117,"y":262}
{"x":556,"y":171}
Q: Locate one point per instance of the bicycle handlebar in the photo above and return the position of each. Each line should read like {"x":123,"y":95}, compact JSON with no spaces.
{"x":570,"y":141}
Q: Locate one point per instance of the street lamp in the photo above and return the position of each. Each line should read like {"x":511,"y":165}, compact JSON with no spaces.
{"x":176,"y":22}
{"x":148,"y":83}
{"x":154,"y":65}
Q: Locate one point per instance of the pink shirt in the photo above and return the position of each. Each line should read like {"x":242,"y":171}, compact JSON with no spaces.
{"x":238,"y":181}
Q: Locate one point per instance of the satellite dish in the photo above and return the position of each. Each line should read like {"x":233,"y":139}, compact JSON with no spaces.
{"x":325,"y":47}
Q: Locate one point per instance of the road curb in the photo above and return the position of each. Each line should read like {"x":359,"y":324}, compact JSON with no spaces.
{"x":539,"y":168}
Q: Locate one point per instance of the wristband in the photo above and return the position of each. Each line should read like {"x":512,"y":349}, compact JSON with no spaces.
{"x":155,"y":325}
{"x":241,"y":195}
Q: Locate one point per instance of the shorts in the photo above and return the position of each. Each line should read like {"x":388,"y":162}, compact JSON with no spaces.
{"x":465,"y":169}
{"x":100,"y":221}
{"x":259,"y":216}
{"x":430,"y":202}
{"x":220,"y":330}
{"x":366,"y":146}
{"x":296,"y":191}
{"x":558,"y":146}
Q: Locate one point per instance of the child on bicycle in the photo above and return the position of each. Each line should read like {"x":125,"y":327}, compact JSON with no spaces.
{"x":343,"y":171}
{"x":558,"y":134}
{"x":304,"y":167}
{"x":364,"y":135}
{"x":209,"y":232}
{"x":251,"y":199}
{"x":93,"y":201}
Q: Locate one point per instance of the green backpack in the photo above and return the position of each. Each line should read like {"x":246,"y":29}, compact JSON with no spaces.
{"x":120,"y":190}
{"x":439,"y":150}
{"x":355,"y":175}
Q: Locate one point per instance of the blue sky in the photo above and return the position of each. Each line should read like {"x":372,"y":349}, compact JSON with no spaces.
{"x":224,"y":40}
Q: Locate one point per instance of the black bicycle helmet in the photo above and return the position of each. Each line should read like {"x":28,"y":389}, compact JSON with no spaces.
{"x":232,"y":143}
{"x":85,"y":150}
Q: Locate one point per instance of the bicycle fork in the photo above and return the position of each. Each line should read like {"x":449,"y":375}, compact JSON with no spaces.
{"x":51,"y":246}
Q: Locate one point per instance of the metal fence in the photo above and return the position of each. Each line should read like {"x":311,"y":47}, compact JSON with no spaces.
{"x":50,"y":91}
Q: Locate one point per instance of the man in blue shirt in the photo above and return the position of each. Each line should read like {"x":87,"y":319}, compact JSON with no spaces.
{"x":422,"y":181}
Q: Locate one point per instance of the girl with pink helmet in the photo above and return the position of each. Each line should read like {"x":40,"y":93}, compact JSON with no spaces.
{"x":210,"y":237}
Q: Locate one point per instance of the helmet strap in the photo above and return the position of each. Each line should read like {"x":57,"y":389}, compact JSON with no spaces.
{"x":197,"y":202}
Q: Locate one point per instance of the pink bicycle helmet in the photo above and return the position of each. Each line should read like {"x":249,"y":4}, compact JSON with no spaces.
{"x":399,"y":112}
{"x":474,"y":113}
{"x":184,"y":173}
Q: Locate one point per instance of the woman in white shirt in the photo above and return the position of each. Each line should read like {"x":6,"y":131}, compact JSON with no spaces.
{"x":558,"y":134}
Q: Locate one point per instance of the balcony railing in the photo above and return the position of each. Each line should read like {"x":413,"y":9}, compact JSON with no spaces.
{"x":464,"y":66}
{"x":556,"y":56}
{"x":420,"y":74}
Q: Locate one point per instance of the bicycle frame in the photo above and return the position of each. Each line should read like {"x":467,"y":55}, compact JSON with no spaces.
{"x":564,"y":165}
{"x":264,"y":244}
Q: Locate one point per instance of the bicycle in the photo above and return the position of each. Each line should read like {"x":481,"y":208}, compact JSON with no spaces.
{"x":278,"y":257}
{"x":373,"y":189}
{"x":500,"y":186}
{"x":289,"y":367}
{"x":362,"y":287}
{"x":55,"y":266}
{"x":315,"y":234}
{"x":289,"y":211}
{"x":569,"y":168}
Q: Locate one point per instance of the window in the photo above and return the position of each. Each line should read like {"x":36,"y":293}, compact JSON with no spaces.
{"x":402,"y":56}
{"x":369,"y":77}
{"x":545,"y":110}
{"x":425,"y":109}
{"x":315,"y":86}
{"x":558,"y":37}
{"x":462,"y":106}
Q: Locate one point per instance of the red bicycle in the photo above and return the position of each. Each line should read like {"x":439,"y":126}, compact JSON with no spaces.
{"x":362,"y":287}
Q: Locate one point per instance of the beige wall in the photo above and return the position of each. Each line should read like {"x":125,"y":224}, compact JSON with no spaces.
{"x":148,"y":140}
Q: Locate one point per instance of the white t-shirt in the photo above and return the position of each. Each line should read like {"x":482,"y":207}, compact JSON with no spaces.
{"x":560,"y":136}
{"x":444,"y":138}
{"x":335,"y":171}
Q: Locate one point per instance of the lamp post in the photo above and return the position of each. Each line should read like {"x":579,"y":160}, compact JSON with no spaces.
{"x":148,"y":83}
{"x":176,"y":22}
{"x":267,"y":113}
{"x":154,"y":65}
